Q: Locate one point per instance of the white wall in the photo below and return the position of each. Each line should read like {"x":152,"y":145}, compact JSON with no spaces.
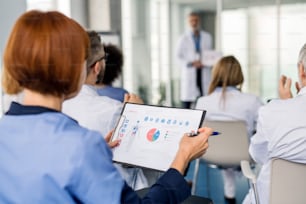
{"x":79,"y":12}
{"x":99,"y":15}
{"x":10,"y":10}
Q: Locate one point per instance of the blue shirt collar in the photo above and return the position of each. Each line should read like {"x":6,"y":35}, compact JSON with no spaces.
{"x":18,"y":109}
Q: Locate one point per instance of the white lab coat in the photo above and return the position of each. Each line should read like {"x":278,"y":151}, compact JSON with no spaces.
{"x":237,"y":106}
{"x":101,"y":113}
{"x":281,"y":133}
{"x":92,"y":111}
{"x":186,"y":53}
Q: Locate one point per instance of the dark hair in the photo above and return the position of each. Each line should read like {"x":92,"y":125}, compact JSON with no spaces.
{"x":113,"y":66}
{"x":45,"y":53}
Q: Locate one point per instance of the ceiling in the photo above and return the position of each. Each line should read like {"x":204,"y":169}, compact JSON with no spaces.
{"x":210,"y":5}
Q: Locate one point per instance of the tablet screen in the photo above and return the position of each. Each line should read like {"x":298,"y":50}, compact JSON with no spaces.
{"x":150,"y":135}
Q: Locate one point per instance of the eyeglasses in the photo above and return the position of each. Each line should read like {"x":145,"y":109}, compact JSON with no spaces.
{"x":100,"y":59}
{"x":103,"y":58}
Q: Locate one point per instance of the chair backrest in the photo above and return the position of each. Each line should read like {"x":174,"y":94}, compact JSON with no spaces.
{"x":288,"y":182}
{"x":230,"y":147}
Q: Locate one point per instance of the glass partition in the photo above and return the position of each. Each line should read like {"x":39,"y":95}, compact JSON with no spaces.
{"x":265,"y":36}
{"x":266,"y":40}
{"x":292,"y":37}
{"x":250,"y":35}
{"x":145,"y":37}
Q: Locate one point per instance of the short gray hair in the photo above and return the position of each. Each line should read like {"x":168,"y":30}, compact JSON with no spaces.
{"x":302,"y":56}
{"x":194,"y":13}
{"x":96,"y":49}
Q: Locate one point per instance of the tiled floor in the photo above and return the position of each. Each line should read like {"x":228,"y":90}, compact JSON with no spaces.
{"x":213,"y":186}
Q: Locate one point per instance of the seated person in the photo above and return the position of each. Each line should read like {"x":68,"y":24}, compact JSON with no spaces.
{"x":113,"y":69}
{"x":101,"y":113}
{"x":226,"y":101}
{"x":46,"y":156}
{"x":281,"y":130}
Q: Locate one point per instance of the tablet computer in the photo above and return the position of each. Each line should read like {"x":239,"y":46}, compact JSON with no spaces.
{"x":150,"y":135}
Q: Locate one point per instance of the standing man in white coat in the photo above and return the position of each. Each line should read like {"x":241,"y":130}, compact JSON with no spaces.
{"x":195,"y":77}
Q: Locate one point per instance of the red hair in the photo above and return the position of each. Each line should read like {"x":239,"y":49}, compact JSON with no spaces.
{"x":45,"y":53}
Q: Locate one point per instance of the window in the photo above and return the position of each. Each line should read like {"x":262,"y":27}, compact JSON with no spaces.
{"x":45,"y":5}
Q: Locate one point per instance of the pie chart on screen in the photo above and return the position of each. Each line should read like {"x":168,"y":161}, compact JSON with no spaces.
{"x":153,"y":134}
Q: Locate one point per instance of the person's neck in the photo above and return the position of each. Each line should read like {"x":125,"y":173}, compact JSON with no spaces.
{"x":101,"y":85}
{"x":91,"y":80}
{"x":32,"y":98}
{"x":196,"y":32}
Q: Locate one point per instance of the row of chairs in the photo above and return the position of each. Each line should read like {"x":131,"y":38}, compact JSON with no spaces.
{"x":230,"y":149}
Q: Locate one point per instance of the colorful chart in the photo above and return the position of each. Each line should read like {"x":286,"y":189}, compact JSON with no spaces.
{"x":153,"y":134}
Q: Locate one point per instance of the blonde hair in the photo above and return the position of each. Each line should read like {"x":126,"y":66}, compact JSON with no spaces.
{"x":226,"y":72}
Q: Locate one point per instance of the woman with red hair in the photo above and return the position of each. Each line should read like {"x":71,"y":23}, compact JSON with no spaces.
{"x":46,"y":156}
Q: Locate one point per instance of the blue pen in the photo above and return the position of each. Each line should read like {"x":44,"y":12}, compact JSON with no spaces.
{"x":192,"y":134}
{"x":215,"y":133}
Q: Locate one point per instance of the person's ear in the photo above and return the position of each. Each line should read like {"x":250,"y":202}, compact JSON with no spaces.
{"x":301,"y":69}
{"x":302,"y":74}
{"x":97,"y":68}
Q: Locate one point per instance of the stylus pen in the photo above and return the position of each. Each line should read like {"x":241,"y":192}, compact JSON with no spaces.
{"x":214,"y":133}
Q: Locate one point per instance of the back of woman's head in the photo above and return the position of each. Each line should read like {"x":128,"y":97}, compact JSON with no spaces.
{"x":113,"y":67}
{"x":226,"y":72}
{"x":45,"y":53}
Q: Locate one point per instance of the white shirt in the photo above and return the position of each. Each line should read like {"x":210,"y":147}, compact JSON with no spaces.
{"x":101,"y":113}
{"x":186,"y":53}
{"x":281,"y":133}
{"x":92,"y":111}
{"x":237,"y":106}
